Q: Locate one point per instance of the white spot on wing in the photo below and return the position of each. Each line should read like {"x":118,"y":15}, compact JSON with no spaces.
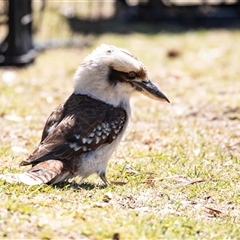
{"x":104,"y":136}
{"x":92,"y":134}
{"x":77,"y":148}
{"x":89,"y":140}
{"x":105,"y":131}
{"x":77,"y":136}
{"x":116,"y":130}
{"x":97,"y":139}
{"x":99,"y":133}
{"x":72,"y":145}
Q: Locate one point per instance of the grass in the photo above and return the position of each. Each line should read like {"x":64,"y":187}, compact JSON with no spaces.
{"x":181,"y":160}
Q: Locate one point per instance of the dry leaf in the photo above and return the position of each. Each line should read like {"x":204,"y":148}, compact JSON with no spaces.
{"x":214,"y":210}
{"x":118,"y":183}
{"x":150,"y":181}
{"x":107,"y":197}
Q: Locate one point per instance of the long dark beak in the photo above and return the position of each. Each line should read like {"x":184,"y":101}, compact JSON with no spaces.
{"x":150,"y":90}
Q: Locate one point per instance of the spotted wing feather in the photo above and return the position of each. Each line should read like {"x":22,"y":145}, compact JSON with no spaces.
{"x":82,"y":125}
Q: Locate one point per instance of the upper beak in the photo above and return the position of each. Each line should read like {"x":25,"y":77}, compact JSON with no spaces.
{"x":150,"y":90}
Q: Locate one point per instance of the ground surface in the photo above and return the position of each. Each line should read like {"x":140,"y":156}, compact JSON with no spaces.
{"x":181,"y":161}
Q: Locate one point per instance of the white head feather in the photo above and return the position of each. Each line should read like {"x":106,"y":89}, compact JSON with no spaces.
{"x":92,"y":76}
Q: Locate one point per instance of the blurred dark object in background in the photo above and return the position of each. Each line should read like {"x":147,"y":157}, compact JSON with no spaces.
{"x":17,"y":48}
{"x":194,"y":10}
{"x":186,"y":13}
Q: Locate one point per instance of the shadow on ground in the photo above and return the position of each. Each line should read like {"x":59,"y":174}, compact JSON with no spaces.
{"x":76,"y":186}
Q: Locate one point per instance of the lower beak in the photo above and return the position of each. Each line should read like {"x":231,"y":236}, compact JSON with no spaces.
{"x":150,"y":90}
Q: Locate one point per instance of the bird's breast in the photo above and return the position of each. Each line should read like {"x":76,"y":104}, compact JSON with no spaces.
{"x":96,"y":160}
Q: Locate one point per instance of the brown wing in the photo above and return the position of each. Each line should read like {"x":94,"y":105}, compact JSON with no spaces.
{"x":54,"y":119}
{"x":84,"y":125}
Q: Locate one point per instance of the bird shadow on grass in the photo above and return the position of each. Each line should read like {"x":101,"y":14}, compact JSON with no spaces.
{"x":76,"y":186}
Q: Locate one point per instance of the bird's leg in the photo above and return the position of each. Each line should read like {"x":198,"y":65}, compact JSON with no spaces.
{"x":102,"y":175}
{"x":81,"y":181}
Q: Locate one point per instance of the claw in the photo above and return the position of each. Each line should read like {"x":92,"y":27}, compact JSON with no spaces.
{"x":102,"y":175}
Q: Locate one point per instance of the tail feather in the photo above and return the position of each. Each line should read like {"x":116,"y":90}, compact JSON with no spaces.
{"x":51,"y":171}
{"x":22,"y":177}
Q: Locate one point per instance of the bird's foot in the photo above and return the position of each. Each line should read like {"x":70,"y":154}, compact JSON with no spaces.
{"x":102,"y":175}
{"x":116,"y":183}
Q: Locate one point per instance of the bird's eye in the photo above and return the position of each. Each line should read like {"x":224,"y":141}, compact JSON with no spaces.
{"x":131,"y":75}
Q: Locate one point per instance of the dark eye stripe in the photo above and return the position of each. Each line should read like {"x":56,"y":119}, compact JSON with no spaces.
{"x":117,"y":76}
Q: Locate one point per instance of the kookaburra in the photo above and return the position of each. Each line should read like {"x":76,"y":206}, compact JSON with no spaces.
{"x":82,"y":133}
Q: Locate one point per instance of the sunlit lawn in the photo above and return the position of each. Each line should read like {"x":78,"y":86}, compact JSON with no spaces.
{"x":181,"y":161}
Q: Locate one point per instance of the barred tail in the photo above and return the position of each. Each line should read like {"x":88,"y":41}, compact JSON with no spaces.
{"x":51,"y":171}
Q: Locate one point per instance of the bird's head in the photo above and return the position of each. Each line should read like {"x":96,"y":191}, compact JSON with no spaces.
{"x":112,"y":75}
